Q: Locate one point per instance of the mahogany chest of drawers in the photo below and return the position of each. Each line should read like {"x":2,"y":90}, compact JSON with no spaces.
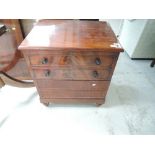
{"x":71,"y":60}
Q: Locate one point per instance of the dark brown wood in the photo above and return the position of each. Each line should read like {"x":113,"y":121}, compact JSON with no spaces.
{"x":54,"y":60}
{"x":13,"y":67}
{"x":9,"y":42}
{"x":72,"y":74}
{"x":71,"y":60}
{"x":14,"y":28}
{"x":93,"y":60}
{"x":7,"y":51}
{"x":71,"y":34}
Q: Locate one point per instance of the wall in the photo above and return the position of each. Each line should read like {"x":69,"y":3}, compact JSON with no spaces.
{"x":27,"y":25}
{"x":116,"y":25}
{"x":138,"y":38}
{"x":146,"y":44}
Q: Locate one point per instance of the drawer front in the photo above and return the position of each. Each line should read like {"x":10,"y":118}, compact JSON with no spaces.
{"x":68,"y":74}
{"x":54,"y":74}
{"x":50,"y":60}
{"x":59,"y":93}
{"x":73,"y":85}
{"x":94,"y":60}
{"x":89,"y":74}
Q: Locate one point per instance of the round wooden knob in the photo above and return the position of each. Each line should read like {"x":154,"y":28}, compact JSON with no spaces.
{"x":98,"y":61}
{"x":44,"y":61}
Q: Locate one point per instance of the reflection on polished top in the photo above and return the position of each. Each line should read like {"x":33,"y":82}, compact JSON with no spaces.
{"x":71,"y":34}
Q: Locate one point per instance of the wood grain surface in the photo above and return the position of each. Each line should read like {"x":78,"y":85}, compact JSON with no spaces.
{"x":71,"y":34}
{"x":71,"y":60}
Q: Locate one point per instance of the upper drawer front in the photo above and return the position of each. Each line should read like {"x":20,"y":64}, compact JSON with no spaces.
{"x":75,"y":74}
{"x":50,"y":60}
{"x":94,"y":60}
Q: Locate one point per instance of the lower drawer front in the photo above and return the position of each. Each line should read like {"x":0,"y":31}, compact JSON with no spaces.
{"x":73,"y":85}
{"x":71,"y":94}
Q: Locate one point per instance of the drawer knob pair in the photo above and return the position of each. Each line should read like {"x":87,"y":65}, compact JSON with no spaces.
{"x":98,"y":61}
{"x":44,"y":61}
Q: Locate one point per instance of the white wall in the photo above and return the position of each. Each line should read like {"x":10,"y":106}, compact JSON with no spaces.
{"x":116,"y":24}
{"x":146,"y":44}
{"x":130,"y":34}
{"x":138,"y":38}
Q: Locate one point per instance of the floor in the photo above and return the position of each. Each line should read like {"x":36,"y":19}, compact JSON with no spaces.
{"x":129,"y":109}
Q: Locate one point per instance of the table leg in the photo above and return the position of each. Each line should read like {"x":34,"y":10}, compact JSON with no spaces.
{"x":152,"y":63}
{"x":100,"y":102}
{"x":6,"y":79}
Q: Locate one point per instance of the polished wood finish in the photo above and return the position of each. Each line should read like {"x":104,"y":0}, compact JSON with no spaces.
{"x":53,"y":60}
{"x":13,"y":67}
{"x":13,"y":27}
{"x":7,"y":51}
{"x":9,"y":42}
{"x":71,"y":60}
{"x":71,"y":34}
{"x":72,"y":74}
